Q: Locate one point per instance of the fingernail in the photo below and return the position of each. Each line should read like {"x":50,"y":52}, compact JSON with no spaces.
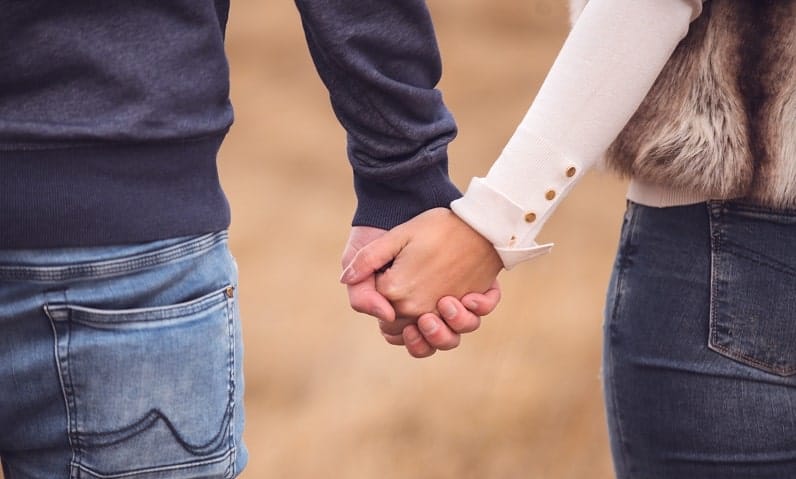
{"x":378,"y":313}
{"x":348,"y":274}
{"x":448,"y":309}
{"x":471,"y":304}
{"x":427,"y":325}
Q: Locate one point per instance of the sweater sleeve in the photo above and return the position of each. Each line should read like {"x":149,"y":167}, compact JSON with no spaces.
{"x":611,"y":58}
{"x":381,"y":64}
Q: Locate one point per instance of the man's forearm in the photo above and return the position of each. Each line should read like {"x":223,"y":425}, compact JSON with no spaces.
{"x":380,"y":63}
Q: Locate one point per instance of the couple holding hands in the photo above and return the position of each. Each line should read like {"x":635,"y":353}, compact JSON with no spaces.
{"x":695,"y":102}
{"x":120,"y":338}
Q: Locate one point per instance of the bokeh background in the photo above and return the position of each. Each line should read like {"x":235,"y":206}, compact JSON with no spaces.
{"x":326,"y":397}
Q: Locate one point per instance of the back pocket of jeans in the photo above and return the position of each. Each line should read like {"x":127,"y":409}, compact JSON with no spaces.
{"x":150,"y":391}
{"x":753,"y":291}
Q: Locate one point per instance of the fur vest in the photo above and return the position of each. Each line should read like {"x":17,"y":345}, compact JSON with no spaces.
{"x":720,"y":119}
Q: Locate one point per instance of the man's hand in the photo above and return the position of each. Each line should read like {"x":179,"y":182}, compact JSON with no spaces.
{"x":362,"y":294}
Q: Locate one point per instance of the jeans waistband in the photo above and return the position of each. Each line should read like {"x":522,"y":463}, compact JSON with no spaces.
{"x":62,"y":264}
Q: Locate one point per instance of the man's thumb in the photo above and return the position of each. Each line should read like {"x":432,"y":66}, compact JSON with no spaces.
{"x":371,"y":258}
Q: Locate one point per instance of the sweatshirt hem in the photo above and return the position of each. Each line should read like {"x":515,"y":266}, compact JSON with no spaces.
{"x":107,"y":194}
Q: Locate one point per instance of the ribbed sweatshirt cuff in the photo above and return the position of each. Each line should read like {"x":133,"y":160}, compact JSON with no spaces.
{"x":388,"y":203}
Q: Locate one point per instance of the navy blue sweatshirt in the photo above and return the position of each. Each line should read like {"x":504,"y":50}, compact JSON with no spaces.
{"x":112,"y":113}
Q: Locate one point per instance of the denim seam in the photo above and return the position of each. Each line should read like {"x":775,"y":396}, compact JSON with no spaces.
{"x":715,"y":243}
{"x":231,"y":332}
{"x":753,"y":361}
{"x":115,"y":266}
{"x":89,"y":316}
{"x":67,"y":406}
{"x":174,"y":467}
{"x":621,"y":270}
{"x":743,"y":207}
{"x":745,"y":253}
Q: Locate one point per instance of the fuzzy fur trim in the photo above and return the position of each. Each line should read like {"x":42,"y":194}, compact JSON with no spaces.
{"x":721,"y":118}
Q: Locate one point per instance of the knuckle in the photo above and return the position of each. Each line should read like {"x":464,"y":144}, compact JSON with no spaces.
{"x":410,"y":308}
{"x":359,"y":305}
{"x":389,"y":288}
{"x":416,"y":345}
{"x":443,"y":338}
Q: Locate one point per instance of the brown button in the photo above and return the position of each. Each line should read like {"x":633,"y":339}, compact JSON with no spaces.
{"x":530,"y":217}
{"x":230,"y":292}
{"x":571,"y":171}
{"x":550,"y":195}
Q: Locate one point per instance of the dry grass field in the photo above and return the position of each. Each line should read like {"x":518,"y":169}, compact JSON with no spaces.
{"x":326,"y":396}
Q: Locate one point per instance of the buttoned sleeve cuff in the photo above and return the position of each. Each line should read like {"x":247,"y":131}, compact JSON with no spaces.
{"x":498,"y":219}
{"x":523,"y":188}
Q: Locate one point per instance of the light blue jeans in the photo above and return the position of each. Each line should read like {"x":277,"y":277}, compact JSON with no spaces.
{"x":121,"y":362}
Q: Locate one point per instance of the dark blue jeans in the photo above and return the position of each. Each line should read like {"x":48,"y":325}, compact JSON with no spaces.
{"x":700,"y":343}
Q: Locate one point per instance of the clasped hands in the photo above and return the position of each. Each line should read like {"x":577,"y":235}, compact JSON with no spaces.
{"x":427,"y":281}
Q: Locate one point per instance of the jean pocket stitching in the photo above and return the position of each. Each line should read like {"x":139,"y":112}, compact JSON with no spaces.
{"x":227,"y":456}
{"x":734,"y":353}
{"x":751,"y":255}
{"x":81,"y":440}
{"x":752,"y":361}
{"x":719,"y":321}
{"x":94,"y":317}
{"x":110,"y":438}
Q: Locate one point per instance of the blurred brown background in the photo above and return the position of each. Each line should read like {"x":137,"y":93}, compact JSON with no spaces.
{"x":326,"y":397}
